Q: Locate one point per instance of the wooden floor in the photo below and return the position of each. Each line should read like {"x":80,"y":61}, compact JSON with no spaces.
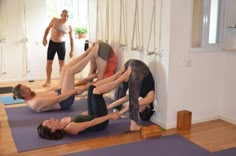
{"x":212,"y":135}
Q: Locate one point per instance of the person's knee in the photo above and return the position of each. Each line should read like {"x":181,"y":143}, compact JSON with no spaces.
{"x":49,"y":63}
{"x":97,"y":91}
{"x":61,"y":63}
{"x":64,"y":68}
{"x":69,"y":71}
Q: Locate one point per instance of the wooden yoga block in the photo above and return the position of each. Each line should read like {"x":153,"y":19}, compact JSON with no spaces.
{"x":184,"y":119}
{"x":151,"y":131}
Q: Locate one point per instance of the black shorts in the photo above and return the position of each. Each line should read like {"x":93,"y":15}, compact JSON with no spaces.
{"x":66,"y":104}
{"x":56,"y":47}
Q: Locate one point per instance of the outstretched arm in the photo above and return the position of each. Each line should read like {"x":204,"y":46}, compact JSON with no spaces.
{"x":149,"y":98}
{"x":74,"y":128}
{"x":118,"y":102}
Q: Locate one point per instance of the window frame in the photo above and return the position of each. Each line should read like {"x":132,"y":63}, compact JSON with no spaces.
{"x":204,"y":45}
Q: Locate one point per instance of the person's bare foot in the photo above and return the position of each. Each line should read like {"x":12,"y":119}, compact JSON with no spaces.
{"x":46,"y":84}
{"x":134,"y":126}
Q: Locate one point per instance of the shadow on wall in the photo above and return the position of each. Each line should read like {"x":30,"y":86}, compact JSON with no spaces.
{"x":160,"y":104}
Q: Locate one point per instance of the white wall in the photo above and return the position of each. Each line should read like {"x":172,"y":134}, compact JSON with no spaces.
{"x":195,"y":79}
{"x":228,"y":107}
{"x":13,"y":27}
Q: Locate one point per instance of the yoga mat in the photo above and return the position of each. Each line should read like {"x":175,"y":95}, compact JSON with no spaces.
{"x":6,"y":100}
{"x":5,"y":90}
{"x":172,"y":145}
{"x":226,"y":152}
{"x":23,"y":123}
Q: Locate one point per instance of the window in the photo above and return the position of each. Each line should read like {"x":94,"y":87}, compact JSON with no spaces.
{"x":54,"y":9}
{"x":206,"y":23}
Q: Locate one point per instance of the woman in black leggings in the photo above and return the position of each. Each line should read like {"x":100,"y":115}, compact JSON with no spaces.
{"x":97,"y":120}
{"x":137,"y":78}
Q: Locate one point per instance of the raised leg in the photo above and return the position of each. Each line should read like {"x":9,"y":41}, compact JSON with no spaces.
{"x":70,"y":71}
{"x":104,"y":86}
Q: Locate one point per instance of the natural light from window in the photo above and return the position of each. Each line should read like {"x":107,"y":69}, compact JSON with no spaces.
{"x":213,"y":22}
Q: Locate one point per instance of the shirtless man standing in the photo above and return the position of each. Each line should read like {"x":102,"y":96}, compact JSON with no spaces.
{"x":59,"y":27}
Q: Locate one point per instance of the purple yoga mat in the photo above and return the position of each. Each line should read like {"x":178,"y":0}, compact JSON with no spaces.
{"x":23,"y":123}
{"x":173,"y":145}
{"x":226,"y":152}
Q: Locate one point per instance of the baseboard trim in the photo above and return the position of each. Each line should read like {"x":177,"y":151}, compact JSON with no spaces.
{"x":228,"y":120}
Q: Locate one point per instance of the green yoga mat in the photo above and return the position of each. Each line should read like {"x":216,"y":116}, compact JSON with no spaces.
{"x":6,"y":100}
{"x":4,"y":90}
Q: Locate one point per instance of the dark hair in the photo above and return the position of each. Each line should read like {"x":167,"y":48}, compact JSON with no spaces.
{"x":17,"y":93}
{"x":45,"y":132}
{"x":146,"y":114}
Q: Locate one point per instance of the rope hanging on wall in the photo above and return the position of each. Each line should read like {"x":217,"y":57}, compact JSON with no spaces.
{"x":112,"y":21}
{"x":136,"y":43}
{"x":107,"y":22}
{"x":102,"y":34}
{"x":152,"y":27}
{"x":25,"y":42}
{"x":97,"y":22}
{"x":88,"y":19}
{"x":2,"y":40}
{"x":123,"y":20}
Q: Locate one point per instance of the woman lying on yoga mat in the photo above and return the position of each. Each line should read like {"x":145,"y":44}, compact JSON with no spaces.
{"x":96,"y":120}
{"x":63,"y":97}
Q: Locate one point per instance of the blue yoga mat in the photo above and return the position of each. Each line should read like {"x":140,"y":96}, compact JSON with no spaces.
{"x":6,"y":100}
{"x":23,"y":123}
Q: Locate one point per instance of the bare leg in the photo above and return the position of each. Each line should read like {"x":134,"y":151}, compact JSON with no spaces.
{"x":61,"y":64}
{"x":85,"y":80}
{"x":110,"y":79}
{"x":101,"y":67}
{"x":134,"y":126}
{"x":106,"y":87}
{"x":70,"y":71}
{"x":92,"y":74}
{"x":70,"y":64}
{"x":93,"y":66}
{"x":48,"y":72}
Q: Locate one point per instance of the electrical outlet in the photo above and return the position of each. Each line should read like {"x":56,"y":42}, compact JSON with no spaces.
{"x":189,"y":63}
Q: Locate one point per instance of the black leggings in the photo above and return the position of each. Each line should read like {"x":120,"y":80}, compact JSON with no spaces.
{"x":96,"y":108}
